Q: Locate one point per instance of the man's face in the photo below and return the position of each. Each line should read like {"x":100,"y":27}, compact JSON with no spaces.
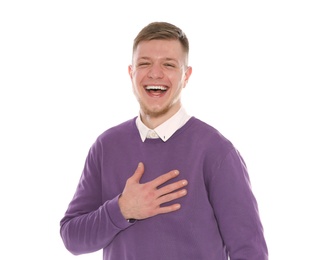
{"x":158,"y":74}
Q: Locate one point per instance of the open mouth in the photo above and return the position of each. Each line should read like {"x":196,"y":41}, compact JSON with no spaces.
{"x":156,"y":90}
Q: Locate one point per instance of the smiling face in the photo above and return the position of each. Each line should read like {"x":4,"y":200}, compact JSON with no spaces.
{"x":158,"y":73}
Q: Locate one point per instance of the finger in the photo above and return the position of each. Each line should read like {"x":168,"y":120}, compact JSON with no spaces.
{"x":172,"y":187}
{"x":170,"y":208}
{"x":165,"y":177}
{"x":138,"y":172}
{"x":172,"y":196}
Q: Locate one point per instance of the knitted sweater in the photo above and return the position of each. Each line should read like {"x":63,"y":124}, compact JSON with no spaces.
{"x":219,"y":215}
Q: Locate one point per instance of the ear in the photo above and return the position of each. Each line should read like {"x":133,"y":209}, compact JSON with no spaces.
{"x":130,"y":70}
{"x":187,"y":74}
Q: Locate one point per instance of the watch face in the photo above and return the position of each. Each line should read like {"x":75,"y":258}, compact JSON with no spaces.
{"x":131,"y":220}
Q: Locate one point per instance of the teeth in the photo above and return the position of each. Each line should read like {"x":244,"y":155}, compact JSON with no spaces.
{"x":155,"y":88}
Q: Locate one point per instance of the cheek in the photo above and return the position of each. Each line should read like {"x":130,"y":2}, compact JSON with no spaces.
{"x":135,"y":79}
{"x":179,"y":82}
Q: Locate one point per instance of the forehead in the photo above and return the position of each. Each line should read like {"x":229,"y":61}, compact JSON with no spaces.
{"x":160,"y":49}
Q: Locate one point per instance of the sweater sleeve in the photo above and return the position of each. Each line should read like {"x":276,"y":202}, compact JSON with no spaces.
{"x":89,"y":223}
{"x":236,"y":209}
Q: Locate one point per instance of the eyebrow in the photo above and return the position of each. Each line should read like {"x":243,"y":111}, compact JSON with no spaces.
{"x":165,"y":59}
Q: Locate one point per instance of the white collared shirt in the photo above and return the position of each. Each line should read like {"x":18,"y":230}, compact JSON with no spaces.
{"x":165,"y":130}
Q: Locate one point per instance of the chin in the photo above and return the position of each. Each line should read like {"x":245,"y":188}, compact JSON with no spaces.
{"x":155,"y":111}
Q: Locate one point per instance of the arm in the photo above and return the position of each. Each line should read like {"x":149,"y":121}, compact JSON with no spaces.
{"x":236,"y":210}
{"x":89,"y":225}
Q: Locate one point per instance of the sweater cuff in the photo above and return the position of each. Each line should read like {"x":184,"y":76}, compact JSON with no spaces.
{"x":115,"y":214}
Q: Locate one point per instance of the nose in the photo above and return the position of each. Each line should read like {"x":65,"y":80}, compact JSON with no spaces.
{"x":155,"y":72}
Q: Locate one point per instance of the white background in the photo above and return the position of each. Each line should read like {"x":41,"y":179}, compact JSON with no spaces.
{"x":64,"y":80}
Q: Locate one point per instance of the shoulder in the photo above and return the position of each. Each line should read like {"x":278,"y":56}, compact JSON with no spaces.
{"x":120,"y":129}
{"x":211,"y":142}
{"x":118,"y":132}
{"x":207,"y":132}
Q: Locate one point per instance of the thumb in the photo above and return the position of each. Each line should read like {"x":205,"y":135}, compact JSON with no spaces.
{"x":138,"y":172}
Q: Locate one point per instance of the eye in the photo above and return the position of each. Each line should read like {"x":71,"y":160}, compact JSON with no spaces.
{"x":143,"y":64}
{"x":169,"y":65}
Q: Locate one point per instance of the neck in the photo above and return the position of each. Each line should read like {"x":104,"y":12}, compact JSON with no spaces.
{"x":154,"y":120}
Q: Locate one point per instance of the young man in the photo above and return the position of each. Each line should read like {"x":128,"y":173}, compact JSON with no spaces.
{"x":163,"y":185}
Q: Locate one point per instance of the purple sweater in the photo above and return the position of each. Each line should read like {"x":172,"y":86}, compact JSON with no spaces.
{"x":218,"y":218}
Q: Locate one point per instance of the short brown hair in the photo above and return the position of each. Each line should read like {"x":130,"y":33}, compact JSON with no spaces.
{"x":161,"y":31}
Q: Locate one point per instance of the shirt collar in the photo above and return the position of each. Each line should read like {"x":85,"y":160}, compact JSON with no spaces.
{"x":164,"y":130}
